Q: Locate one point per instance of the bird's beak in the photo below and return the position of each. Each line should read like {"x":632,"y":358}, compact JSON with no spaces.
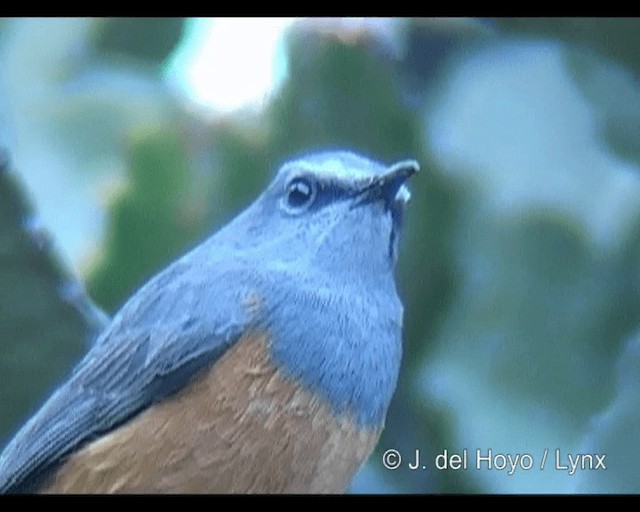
{"x":389,"y":185}
{"x":392,"y":182}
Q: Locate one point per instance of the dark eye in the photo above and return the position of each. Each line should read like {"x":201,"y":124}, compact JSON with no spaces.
{"x":300,"y":193}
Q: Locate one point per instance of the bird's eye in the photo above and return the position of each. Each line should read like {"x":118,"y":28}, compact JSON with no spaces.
{"x":300,"y":194}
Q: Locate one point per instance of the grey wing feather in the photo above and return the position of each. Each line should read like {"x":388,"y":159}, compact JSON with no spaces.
{"x":175,"y":326}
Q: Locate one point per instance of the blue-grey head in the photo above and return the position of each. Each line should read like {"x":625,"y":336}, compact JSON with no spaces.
{"x":336,"y":212}
{"x":325,"y":235}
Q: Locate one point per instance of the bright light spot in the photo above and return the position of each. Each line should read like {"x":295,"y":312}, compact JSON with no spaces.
{"x":227,"y":63}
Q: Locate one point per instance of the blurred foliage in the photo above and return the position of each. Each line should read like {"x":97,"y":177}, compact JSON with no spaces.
{"x":335,"y":90}
{"x":151,"y":221}
{"x":519,"y":266}
{"x":617,"y":39}
{"x":46,"y":318}
{"x":148,"y":39}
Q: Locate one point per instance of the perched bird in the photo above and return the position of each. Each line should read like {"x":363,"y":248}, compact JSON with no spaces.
{"x":264,"y":360}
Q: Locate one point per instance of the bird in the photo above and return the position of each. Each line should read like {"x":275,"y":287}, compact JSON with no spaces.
{"x":261,"y":361}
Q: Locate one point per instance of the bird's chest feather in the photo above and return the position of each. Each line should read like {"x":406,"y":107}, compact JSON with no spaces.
{"x":239,"y":427}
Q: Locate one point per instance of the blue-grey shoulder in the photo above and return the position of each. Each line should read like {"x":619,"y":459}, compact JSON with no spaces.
{"x":176,"y":325}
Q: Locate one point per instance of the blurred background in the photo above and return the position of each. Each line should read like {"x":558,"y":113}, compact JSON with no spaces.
{"x":125,"y":142}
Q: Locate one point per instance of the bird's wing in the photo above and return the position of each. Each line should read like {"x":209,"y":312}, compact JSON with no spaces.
{"x":178,"y":324}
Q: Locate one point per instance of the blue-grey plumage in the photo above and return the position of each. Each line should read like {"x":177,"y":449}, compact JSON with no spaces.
{"x":307,"y":268}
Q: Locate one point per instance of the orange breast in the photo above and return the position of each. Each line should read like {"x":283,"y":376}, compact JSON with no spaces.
{"x":239,"y":427}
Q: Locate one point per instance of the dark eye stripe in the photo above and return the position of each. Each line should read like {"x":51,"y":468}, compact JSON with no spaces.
{"x":304,"y":193}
